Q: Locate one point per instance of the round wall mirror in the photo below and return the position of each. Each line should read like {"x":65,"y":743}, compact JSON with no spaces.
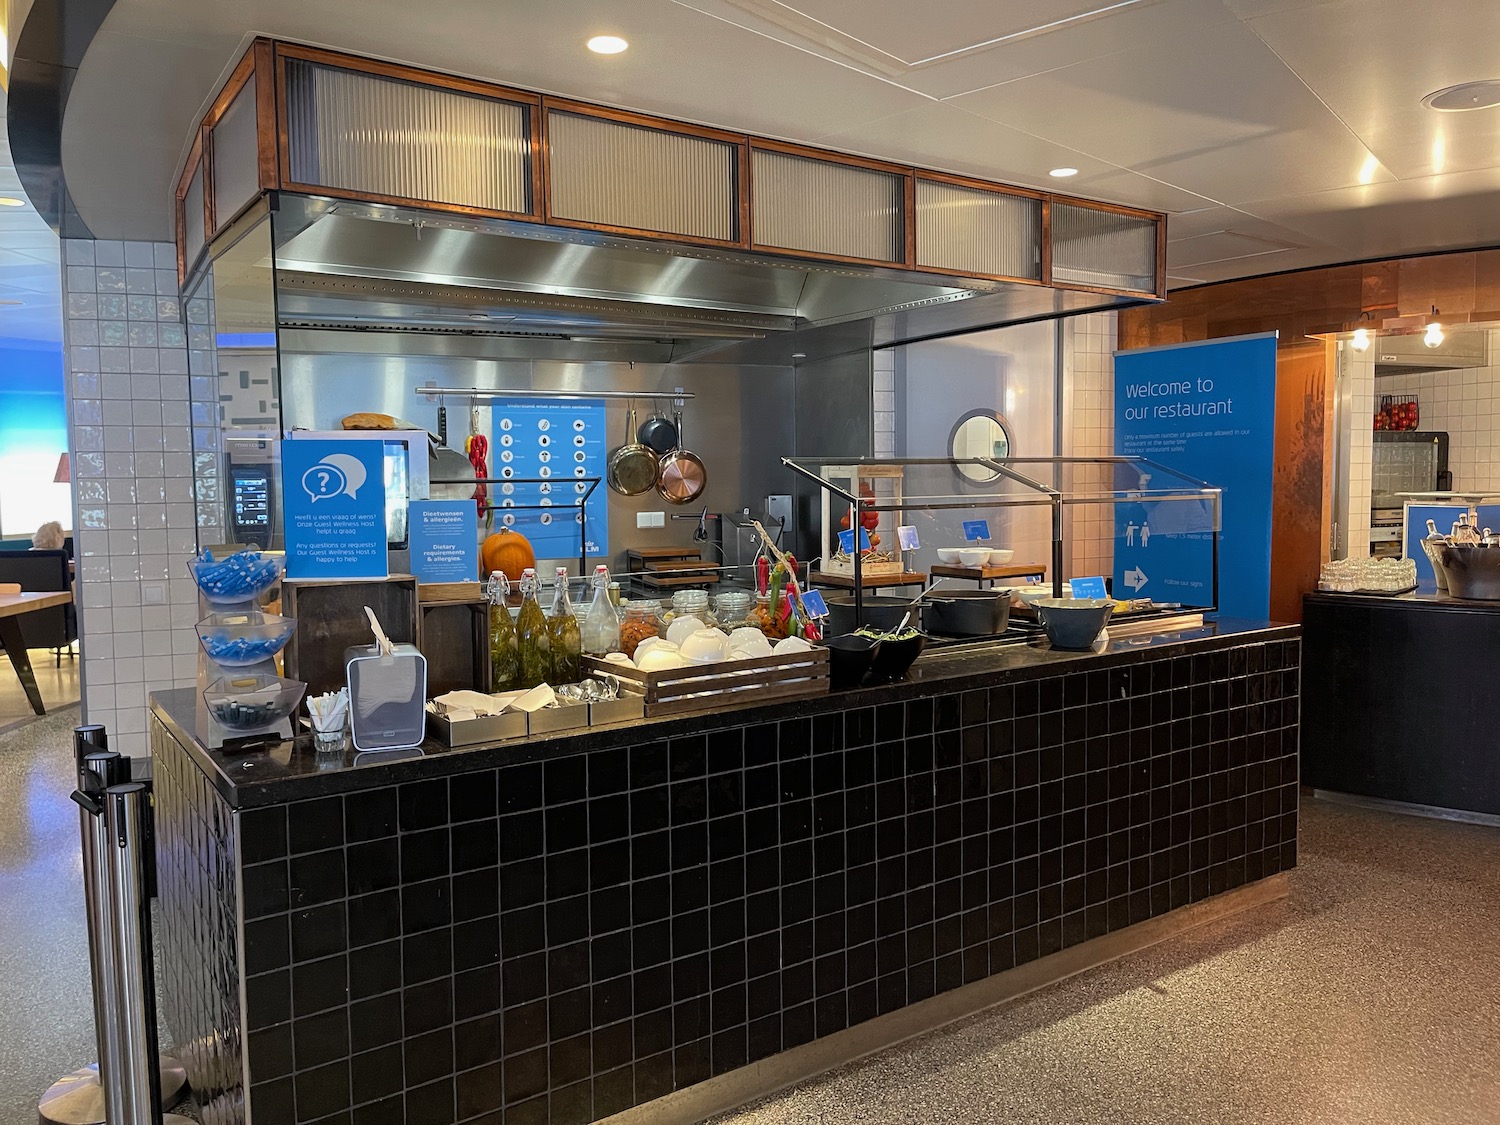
{"x":979,"y":433}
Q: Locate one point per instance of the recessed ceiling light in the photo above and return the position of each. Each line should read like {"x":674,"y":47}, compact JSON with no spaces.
{"x":1063,"y":173}
{"x":607,"y":44}
{"x":1466,"y":95}
{"x":11,"y":201}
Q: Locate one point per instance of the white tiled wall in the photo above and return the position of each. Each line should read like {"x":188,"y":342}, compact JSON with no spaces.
{"x":1465,"y":405}
{"x":1356,"y":374}
{"x":130,"y":432}
{"x":1089,"y":431}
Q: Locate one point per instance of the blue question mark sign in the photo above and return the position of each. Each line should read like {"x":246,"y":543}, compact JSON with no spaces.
{"x":323,"y":482}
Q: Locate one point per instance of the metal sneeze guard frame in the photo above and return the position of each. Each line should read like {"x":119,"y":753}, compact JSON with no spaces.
{"x":1190,"y":489}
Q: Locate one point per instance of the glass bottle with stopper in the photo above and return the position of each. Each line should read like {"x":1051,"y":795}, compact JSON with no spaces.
{"x":567,"y":638}
{"x":533,"y":638}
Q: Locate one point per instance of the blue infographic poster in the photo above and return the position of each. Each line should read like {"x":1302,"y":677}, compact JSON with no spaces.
{"x":1445,"y":516}
{"x":334,"y":501}
{"x":444,"y":543}
{"x":541,"y":451}
{"x":1208,"y":411}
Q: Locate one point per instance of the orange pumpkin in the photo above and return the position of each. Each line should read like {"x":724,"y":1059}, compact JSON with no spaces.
{"x":507,"y":551}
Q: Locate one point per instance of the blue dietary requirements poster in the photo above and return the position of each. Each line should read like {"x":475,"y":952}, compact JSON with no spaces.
{"x":334,"y":499}
{"x":557,"y":443}
{"x":444,"y":543}
{"x":1208,"y":411}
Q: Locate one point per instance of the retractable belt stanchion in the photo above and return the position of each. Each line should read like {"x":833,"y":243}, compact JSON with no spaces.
{"x":128,"y":1084}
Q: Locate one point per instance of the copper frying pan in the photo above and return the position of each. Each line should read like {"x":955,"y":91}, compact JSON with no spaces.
{"x":683,"y":476}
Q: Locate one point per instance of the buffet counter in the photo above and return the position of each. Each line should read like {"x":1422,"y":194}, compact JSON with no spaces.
{"x":1400,"y":688}
{"x":566,"y":928}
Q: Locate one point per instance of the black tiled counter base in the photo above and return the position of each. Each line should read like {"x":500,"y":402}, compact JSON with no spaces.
{"x":560,"y":940}
{"x":197,"y":928}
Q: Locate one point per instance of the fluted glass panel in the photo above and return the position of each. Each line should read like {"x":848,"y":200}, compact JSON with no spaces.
{"x":236,"y":156}
{"x":1103,"y":248}
{"x":621,"y":175}
{"x":382,"y":136}
{"x":982,"y":232}
{"x":192,"y":217}
{"x":826,"y":208}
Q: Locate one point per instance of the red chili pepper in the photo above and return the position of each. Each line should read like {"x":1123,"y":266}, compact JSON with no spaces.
{"x":762,"y":574}
{"x":479,"y":445}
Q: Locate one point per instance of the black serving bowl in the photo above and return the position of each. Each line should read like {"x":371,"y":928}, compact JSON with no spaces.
{"x":849,"y":658}
{"x":894,"y":658}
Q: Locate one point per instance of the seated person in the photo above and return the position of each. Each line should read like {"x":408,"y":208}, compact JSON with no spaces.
{"x":48,"y":537}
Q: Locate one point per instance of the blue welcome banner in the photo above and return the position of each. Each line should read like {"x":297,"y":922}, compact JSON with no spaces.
{"x":1206,"y":410}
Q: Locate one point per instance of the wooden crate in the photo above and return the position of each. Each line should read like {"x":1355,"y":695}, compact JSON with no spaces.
{"x":678,"y":691}
{"x":330,"y":618}
{"x":455,"y":638}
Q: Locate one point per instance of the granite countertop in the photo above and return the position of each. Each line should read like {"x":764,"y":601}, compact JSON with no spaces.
{"x":264,"y":773}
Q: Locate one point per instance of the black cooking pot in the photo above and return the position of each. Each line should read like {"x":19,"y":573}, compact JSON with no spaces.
{"x":968,"y":613}
{"x":883,"y":613}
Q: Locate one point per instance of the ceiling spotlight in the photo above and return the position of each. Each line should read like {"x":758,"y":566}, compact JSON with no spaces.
{"x":1361,"y":340}
{"x":1483,"y":94}
{"x":1063,"y":173}
{"x":11,"y":201}
{"x":1433,"y":337}
{"x":607,"y":44}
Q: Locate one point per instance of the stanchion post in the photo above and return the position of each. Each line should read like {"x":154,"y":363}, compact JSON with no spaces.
{"x":132,"y":1094}
{"x":127,"y":1084}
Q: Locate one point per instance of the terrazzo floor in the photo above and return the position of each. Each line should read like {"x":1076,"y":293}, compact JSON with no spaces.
{"x":1369,"y":996}
{"x":56,"y":680}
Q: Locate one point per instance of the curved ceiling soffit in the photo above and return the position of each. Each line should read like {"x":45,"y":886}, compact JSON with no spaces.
{"x":52,"y":43}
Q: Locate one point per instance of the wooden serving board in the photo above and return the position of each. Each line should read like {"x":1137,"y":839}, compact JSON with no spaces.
{"x":985,"y":573}
{"x":679,"y":691}
{"x":871,"y":581}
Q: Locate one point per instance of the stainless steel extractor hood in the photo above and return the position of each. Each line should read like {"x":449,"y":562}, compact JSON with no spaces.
{"x":531,"y":291}
{"x":1402,"y":355}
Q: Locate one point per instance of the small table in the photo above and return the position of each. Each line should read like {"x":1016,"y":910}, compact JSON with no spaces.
{"x":871,"y":582}
{"x":12,"y":608}
{"x":990,"y":574}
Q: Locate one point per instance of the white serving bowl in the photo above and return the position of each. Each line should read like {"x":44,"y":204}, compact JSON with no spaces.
{"x":706,"y":646}
{"x":974,"y":556}
{"x":791,"y":644}
{"x":999,"y":556}
{"x":749,"y":647}
{"x":682,"y":628}
{"x":659,"y":658}
{"x":619,"y":658}
{"x":948,"y":555}
{"x":1033,"y":594}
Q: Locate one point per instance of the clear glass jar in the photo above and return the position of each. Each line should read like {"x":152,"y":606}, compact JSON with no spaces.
{"x":763,"y":618}
{"x":732,"y":607}
{"x":642,"y":619}
{"x":692,"y":603}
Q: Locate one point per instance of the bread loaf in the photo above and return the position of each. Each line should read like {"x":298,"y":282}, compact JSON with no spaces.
{"x":368,"y":421}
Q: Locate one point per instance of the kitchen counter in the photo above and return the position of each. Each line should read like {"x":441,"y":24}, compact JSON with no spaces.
{"x":290,"y":770}
{"x":565,"y":929}
{"x":1395,"y":700}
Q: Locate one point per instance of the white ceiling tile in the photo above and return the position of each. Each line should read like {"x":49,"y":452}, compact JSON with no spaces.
{"x":1215,"y":113}
{"x":1408,"y":216}
{"x":912,"y":33}
{"x":1372,"y":62}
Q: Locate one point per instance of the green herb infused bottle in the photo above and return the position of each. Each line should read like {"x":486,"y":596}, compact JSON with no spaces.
{"x":567,"y":643}
{"x":533,"y":638}
{"x":505,"y":657}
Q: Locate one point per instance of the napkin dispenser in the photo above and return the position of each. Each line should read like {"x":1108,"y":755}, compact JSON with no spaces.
{"x":387,"y":694}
